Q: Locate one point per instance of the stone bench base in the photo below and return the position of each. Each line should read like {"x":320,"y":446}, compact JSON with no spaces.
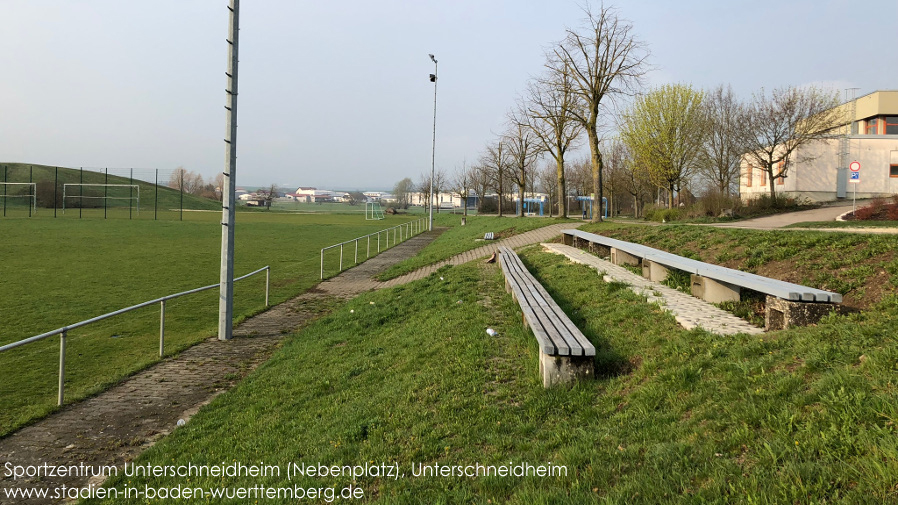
{"x":782,"y":314}
{"x":557,"y":370}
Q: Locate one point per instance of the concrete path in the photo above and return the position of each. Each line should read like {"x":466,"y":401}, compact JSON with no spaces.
{"x":689,"y":311}
{"x":829,"y":213}
{"x":526,"y":238}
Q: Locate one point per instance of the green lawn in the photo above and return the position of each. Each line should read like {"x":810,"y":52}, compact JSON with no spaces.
{"x":409,"y":375}
{"x":458,"y":239}
{"x":60,"y":271}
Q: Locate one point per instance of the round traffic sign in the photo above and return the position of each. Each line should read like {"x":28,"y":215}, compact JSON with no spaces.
{"x":854,"y":166}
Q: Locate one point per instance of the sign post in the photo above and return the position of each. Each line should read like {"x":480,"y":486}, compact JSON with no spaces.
{"x":855,"y":178}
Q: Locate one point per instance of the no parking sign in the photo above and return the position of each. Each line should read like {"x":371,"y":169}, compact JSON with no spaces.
{"x":855,"y":168}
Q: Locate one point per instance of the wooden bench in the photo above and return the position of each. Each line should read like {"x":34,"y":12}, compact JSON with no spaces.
{"x":788,"y":304}
{"x":565,"y":354}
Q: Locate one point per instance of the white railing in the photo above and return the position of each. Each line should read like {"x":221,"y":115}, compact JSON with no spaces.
{"x":63,"y":332}
{"x":400,"y":232}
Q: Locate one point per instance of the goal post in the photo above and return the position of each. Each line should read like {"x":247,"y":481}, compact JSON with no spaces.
{"x":131,"y":196}
{"x":373,"y":211}
{"x":33,"y":194}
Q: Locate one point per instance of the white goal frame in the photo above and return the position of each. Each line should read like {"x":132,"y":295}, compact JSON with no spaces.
{"x":373,"y":211}
{"x":104,"y":197}
{"x":33,"y":194}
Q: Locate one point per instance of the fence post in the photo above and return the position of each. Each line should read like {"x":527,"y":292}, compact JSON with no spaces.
{"x":162,"y":328}
{"x":322,"y":264}
{"x":61,"y":395}
{"x":368,"y":250}
{"x":356,"y":251}
{"x":341,"y":259}
{"x":267,"y":283}
{"x":55,"y":190}
{"x":378,"y":242}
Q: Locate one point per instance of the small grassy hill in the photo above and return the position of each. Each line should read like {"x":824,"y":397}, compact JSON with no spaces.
{"x":45,"y":176}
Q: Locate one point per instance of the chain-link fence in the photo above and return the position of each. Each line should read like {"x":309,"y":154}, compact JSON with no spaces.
{"x":109,"y":193}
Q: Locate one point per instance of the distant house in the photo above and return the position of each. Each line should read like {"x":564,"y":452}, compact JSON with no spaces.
{"x":313,"y":195}
{"x":869,"y":135}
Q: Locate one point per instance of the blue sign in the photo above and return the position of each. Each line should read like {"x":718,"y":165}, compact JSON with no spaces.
{"x":855,"y":177}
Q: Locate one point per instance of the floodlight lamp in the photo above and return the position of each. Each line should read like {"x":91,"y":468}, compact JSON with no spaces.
{"x":433,"y":78}
{"x":432,"y":58}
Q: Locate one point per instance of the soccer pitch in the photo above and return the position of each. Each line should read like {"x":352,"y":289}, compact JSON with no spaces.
{"x":57,"y":272}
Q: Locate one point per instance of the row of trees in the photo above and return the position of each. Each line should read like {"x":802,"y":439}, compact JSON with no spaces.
{"x":193,"y":183}
{"x":664,"y":139}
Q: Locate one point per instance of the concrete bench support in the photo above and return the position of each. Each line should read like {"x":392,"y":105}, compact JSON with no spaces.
{"x":713,"y":291}
{"x":782,"y":314}
{"x":654,"y":272}
{"x":565,"y":369}
{"x":623,"y":258}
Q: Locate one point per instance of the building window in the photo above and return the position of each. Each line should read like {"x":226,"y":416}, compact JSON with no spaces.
{"x":872,"y":126}
{"x":891,"y":125}
{"x":780,"y":180}
{"x":763,"y":176}
{"x":893,"y":170}
{"x":748,"y":172}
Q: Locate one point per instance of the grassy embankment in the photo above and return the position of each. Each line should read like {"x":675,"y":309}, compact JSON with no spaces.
{"x":160,"y":202}
{"x":60,"y":271}
{"x":408,"y":375}
{"x":458,"y":239}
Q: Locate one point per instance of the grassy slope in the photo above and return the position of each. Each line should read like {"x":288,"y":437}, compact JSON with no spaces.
{"x":804,"y":416}
{"x":57,"y":272}
{"x":167,"y":198}
{"x":458,"y":239}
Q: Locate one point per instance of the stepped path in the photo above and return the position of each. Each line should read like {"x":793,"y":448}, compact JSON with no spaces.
{"x":118,"y":424}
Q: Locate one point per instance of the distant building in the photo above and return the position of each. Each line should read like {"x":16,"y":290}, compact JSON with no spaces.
{"x":313,"y":195}
{"x":872,"y":140}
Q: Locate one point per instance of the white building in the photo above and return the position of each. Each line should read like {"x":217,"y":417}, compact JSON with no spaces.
{"x":872,"y":141}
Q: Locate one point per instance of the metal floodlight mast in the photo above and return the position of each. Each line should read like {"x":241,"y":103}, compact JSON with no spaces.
{"x":226,"y":289}
{"x":433,"y":79}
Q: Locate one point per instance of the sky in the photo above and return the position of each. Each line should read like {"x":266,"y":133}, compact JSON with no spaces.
{"x":336,"y":95}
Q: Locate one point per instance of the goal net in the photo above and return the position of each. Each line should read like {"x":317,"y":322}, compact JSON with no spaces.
{"x":82,"y":194}
{"x":373,"y":211}
{"x":24,"y":190}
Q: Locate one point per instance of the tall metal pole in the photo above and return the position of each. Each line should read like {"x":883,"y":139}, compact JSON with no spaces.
{"x":226,"y":290}
{"x":434,"y":149}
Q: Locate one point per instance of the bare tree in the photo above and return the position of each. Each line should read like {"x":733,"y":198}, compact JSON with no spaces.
{"x":218,"y":185}
{"x":779,"y":124}
{"x":604,"y":59}
{"x":186,"y":181}
{"x":496,"y":164}
{"x":480,"y":183}
{"x":548,"y":181}
{"x":549,"y":104}
{"x":439,"y":184}
{"x":460,"y":184}
{"x":724,"y":145}
{"x":616,"y":173}
{"x":402,"y":191}
{"x":524,"y":149}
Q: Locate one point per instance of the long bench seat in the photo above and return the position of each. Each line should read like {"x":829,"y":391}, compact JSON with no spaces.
{"x":565,"y":353}
{"x":788,"y":303}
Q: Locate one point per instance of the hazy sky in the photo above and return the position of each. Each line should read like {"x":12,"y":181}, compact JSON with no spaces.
{"x":336,"y":93}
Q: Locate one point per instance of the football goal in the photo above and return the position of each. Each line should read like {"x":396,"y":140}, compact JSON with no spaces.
{"x":30,"y":192}
{"x":373,"y":211}
{"x":110,"y":192}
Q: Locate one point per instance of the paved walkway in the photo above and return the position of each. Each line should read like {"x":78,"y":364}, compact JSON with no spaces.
{"x":829,"y":213}
{"x":689,"y":311}
{"x":120,"y":423}
{"x":526,"y":238}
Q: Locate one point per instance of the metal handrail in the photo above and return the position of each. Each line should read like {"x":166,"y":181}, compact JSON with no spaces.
{"x":410,"y":228}
{"x":62,"y":332}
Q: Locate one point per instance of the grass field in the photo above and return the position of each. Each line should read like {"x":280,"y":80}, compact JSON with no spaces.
{"x":408,"y":375}
{"x":59,"y":271}
{"x":458,"y":239}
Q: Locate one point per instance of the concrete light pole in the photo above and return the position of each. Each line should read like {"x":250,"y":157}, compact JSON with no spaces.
{"x":433,"y":79}
{"x":228,"y":199}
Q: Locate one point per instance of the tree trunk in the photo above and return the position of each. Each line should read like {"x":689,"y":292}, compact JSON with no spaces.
{"x":521,"y":189}
{"x":596,"y":173}
{"x":562,"y":187}
{"x":772,"y":187}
